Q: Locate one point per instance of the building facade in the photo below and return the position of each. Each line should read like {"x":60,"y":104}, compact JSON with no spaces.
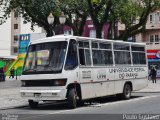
{"x":152,"y":39}
{"x":17,"y":28}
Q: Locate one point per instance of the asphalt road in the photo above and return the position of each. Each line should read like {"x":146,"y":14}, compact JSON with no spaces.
{"x":140,"y":106}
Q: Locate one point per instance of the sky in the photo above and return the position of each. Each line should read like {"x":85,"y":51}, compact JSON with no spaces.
{"x":5,"y":38}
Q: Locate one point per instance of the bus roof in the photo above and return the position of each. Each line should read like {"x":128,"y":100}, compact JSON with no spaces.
{"x":67,"y":37}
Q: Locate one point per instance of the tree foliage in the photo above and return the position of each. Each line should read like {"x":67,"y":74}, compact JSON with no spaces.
{"x":37,"y":11}
{"x":77,"y":11}
{"x":134,"y":16}
{"x":124,"y":11}
{"x":76,"y":14}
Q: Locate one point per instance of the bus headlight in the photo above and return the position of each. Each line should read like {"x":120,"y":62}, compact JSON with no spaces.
{"x":60,"y":82}
{"x":23,"y":83}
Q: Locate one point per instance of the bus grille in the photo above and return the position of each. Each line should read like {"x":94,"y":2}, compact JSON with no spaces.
{"x":43,"y":83}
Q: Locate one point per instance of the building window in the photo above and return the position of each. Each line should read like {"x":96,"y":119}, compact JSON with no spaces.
{"x":154,"y":17}
{"x":15,"y":26}
{"x":156,"y":39}
{"x":68,"y":32}
{"x":15,"y":49}
{"x":15,"y":38}
{"x":132,"y":39}
{"x":102,"y":34}
{"x":151,"y":18}
{"x":92,"y":34}
{"x":151,"y":39}
{"x":15,"y":14}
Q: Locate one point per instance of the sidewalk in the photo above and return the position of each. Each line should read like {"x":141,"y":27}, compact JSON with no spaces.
{"x":10,"y":96}
{"x":152,"y":87}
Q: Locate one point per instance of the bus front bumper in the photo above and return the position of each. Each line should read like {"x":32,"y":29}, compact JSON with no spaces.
{"x":44,"y":95}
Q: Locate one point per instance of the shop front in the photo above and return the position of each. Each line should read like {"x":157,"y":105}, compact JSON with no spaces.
{"x":154,"y":60}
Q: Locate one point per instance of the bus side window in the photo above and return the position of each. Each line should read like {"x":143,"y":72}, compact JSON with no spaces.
{"x":81,"y":57}
{"x":84,"y":53}
{"x":71,"y":60}
{"x":95,"y":61}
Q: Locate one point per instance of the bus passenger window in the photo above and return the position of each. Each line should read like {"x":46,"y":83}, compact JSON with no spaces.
{"x":84,"y":53}
{"x":81,"y":57}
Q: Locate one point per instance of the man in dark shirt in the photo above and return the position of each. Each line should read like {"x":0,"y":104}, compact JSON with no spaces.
{"x":153,"y":74}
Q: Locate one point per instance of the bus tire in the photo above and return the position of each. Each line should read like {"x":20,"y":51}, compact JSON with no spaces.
{"x":72,"y":99}
{"x":33,"y":104}
{"x":126,"y":92}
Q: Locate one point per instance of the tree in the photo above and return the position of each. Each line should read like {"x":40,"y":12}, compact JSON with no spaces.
{"x":134,"y":16}
{"x":34,"y":11}
{"x":99,"y":12}
{"x":124,"y":11}
{"x":77,"y":14}
{"x":37,"y":11}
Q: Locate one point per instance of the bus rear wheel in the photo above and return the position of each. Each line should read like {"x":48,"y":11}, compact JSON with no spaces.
{"x":126,"y":92}
{"x":33,"y":104}
{"x":72,"y":99}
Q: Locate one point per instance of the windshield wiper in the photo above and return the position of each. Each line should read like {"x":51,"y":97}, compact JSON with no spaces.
{"x":30,"y":70}
{"x":48,"y":68}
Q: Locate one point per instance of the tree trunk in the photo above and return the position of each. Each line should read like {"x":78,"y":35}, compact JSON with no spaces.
{"x":49,"y":31}
{"x":98,"y":28}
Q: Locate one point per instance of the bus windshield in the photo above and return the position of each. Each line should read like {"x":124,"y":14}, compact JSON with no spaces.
{"x":45,"y":57}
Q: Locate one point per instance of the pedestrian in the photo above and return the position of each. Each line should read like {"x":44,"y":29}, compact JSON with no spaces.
{"x":11,"y":73}
{"x":2,"y":75}
{"x":153,"y":74}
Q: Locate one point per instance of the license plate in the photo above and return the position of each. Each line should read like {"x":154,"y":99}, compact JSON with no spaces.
{"x":37,"y":94}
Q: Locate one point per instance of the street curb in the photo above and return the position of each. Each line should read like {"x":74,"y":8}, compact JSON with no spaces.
{"x":146,"y":92}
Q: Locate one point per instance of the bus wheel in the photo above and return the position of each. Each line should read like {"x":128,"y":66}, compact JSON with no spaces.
{"x":126,"y":92}
{"x":72,"y":98}
{"x":33,"y":104}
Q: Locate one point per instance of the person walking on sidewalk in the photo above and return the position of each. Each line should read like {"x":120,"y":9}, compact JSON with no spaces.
{"x":12,"y":73}
{"x":153,"y":74}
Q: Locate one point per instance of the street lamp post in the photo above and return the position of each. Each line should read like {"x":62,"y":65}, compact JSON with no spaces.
{"x":50,"y":21}
{"x":62,"y":20}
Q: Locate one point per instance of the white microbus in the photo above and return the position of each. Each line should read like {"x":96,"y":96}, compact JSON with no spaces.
{"x":76,"y":68}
